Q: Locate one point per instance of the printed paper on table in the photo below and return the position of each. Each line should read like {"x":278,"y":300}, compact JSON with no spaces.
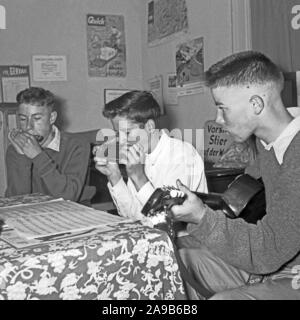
{"x":54,"y":217}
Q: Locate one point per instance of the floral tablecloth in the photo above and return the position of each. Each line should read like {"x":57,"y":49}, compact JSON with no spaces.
{"x":129,"y":262}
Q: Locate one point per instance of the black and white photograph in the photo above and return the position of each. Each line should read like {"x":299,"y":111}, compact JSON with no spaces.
{"x":149,"y":155}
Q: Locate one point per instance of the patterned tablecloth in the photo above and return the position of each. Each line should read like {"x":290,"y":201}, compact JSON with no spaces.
{"x":129,"y":262}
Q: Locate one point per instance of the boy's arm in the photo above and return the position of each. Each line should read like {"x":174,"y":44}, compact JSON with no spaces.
{"x":69,"y":183}
{"x":19,"y":169}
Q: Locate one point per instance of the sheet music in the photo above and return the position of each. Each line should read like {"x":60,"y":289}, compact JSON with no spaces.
{"x":14,"y":239}
{"x":54,"y":217}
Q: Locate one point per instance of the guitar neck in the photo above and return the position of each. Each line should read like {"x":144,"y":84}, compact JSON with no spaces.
{"x":216,"y":202}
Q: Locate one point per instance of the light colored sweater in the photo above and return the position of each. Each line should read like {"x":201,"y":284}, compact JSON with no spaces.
{"x":274,"y":242}
{"x":59,"y":174}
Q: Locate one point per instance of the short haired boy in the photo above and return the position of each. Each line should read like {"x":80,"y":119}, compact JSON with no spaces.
{"x":41,"y":158}
{"x":236,"y":259}
{"x":154,"y":159}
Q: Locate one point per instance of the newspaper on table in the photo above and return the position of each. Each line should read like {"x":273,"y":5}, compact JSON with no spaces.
{"x":55,"y":218}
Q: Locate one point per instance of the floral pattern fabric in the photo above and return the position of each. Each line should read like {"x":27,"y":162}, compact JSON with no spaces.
{"x":129,"y":262}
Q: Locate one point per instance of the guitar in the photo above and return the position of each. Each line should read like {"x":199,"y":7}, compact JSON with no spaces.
{"x":244,"y":198}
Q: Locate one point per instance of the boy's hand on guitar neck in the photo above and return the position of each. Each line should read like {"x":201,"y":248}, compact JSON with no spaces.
{"x":191,"y":210}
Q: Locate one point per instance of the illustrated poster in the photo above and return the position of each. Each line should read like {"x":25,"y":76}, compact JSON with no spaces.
{"x":166,"y":19}
{"x":190,"y":66}
{"x":106,"y":45}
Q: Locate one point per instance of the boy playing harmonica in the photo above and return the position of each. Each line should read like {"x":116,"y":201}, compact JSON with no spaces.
{"x":41,"y":158}
{"x":152,"y":158}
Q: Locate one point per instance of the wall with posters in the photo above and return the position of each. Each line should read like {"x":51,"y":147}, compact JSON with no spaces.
{"x":213,"y":20}
{"x":42,"y":27}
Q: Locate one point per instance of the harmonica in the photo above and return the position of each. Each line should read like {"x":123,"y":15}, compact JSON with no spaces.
{"x":110,"y":149}
{"x":38,"y":138}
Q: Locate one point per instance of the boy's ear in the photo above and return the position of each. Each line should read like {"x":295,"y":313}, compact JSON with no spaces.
{"x":53,"y":117}
{"x":257,"y":103}
{"x":150,"y":125}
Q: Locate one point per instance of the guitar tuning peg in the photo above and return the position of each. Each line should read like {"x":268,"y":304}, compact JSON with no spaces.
{"x":173,"y":194}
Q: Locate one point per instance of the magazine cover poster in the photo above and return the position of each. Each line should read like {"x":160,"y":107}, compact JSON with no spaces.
{"x":190,"y":62}
{"x":106,"y":45}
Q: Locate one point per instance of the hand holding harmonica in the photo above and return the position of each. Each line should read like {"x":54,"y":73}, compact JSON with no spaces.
{"x":25,"y":143}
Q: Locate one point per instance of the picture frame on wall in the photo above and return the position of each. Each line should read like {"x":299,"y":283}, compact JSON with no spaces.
{"x":112,"y":94}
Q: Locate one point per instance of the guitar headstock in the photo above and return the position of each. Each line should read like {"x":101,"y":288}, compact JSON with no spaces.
{"x":157,"y":208}
{"x":163,"y":199}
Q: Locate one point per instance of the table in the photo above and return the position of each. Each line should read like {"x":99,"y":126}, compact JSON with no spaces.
{"x":131,"y":261}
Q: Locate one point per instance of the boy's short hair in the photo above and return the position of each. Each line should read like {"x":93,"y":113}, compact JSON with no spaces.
{"x":36,"y":96}
{"x":244,"y":68}
{"x":136,"y":105}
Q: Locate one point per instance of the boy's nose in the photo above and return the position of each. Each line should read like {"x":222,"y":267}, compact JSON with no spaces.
{"x":219,"y":117}
{"x":29,"y":125}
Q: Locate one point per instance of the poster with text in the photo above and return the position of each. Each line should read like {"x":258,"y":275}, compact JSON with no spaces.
{"x":166,"y":19}
{"x":14,"y":78}
{"x":106,"y":45}
{"x":155,"y":85}
{"x":190,"y":66}
{"x":49,"y":68}
{"x":171,"y":94}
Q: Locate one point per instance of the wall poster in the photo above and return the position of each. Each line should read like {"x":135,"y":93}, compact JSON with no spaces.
{"x":14,"y":78}
{"x":112,"y":94}
{"x":171,"y":94}
{"x":166,"y":18}
{"x":190,"y":67}
{"x":106,"y":47}
{"x":49,"y":68}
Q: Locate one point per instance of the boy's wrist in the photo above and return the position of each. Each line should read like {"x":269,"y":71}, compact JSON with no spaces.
{"x":114,"y":178}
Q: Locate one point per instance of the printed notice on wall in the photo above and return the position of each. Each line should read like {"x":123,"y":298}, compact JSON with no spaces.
{"x":171,"y":94}
{"x":221,"y":149}
{"x":156,"y":87}
{"x":106,"y":45}
{"x":14,"y":79}
{"x":49,"y":68}
{"x":216,"y":141}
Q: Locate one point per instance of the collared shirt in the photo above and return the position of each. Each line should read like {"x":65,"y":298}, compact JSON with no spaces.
{"x":54,"y":144}
{"x":281,"y":144}
{"x":171,"y":159}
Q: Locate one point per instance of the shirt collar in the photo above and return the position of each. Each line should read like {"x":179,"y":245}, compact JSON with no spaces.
{"x":54,"y":144}
{"x":159,"y":147}
{"x":282,"y":142}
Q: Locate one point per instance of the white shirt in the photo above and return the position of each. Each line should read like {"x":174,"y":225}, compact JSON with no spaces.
{"x":282,"y":142}
{"x":171,"y":159}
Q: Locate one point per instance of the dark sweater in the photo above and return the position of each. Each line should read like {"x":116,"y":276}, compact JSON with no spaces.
{"x":59,"y":174}
{"x":274,"y":242}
